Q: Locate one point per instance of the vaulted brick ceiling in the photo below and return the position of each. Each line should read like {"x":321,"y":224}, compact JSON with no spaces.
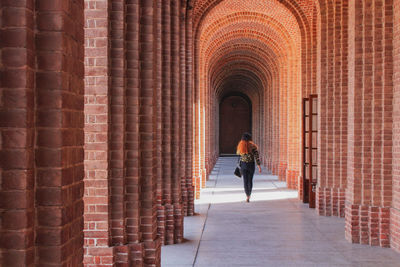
{"x":247,"y":40}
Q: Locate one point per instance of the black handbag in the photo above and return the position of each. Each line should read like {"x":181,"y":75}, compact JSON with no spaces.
{"x":238,"y":170}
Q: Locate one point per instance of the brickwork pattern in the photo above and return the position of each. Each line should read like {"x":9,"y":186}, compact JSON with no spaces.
{"x":147,"y":189}
{"x":42,"y":124}
{"x":109,"y":117}
{"x":332,"y":143}
{"x":395,"y":211}
{"x":369,"y":183}
{"x":97,"y":194}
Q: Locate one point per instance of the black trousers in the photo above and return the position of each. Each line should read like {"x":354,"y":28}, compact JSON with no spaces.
{"x":248,"y":169}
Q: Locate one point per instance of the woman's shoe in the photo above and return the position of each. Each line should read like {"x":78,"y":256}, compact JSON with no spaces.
{"x":248,"y":199}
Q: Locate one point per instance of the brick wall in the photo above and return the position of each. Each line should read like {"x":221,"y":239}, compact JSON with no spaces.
{"x":97,"y":187}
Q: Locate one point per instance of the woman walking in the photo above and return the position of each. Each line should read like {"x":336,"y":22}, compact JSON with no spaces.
{"x":248,"y":152}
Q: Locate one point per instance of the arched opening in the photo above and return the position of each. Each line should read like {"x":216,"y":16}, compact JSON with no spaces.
{"x":235,"y":118}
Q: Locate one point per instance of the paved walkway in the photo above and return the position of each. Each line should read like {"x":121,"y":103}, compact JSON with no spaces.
{"x":274,"y":229}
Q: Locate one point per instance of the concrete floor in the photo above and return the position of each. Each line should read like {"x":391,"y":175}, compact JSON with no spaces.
{"x":274,"y":229}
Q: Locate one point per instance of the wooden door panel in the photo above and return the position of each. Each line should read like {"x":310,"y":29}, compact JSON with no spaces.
{"x":306,"y":145}
{"x":235,"y":119}
{"x":310,"y":153}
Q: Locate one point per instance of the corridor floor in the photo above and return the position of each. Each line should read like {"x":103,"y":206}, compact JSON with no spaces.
{"x":274,"y":229}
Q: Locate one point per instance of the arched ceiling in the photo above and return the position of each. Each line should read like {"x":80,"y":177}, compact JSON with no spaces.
{"x":262,"y":37}
{"x":303,"y":10}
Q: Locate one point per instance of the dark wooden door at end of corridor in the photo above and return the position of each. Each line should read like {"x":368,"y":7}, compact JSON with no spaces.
{"x":234,"y":120}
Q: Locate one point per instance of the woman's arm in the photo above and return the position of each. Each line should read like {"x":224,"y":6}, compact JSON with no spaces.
{"x":257,"y":158}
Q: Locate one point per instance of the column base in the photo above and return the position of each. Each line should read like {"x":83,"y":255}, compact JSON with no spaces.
{"x":178,"y":223}
{"x":161,"y":223}
{"x":368,"y":225}
{"x":395,"y":229}
{"x":291,"y":179}
{"x":281,"y":172}
{"x":331,"y":201}
{"x":144,"y":254}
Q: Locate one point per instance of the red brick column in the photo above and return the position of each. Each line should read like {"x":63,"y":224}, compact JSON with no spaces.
{"x":369,"y":191}
{"x":280,"y":170}
{"x":158,"y":110}
{"x":148,"y":179}
{"x":196,"y":117}
{"x":182,"y":103}
{"x":189,"y":113}
{"x":395,"y":210}
{"x":59,"y":152}
{"x":276,"y":131}
{"x":17,"y":130}
{"x":333,"y":112}
{"x":175,"y":113}
{"x":166,"y":128}
{"x":132,"y":138}
{"x":42,"y":108}
{"x":117,"y":122}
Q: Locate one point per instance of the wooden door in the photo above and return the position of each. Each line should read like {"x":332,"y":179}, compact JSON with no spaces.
{"x":234,"y":120}
{"x":310,"y":152}
{"x":306,"y":147}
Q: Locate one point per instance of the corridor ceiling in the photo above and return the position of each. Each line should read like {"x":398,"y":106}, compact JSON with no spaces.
{"x":239,"y":39}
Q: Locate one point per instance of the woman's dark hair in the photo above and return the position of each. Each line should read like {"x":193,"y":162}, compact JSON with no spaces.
{"x":246,"y":137}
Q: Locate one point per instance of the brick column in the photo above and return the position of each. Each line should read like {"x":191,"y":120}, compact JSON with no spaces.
{"x":369,"y":190}
{"x":148,"y":180}
{"x":59,"y":152}
{"x":117,"y":122}
{"x":293,"y":140}
{"x":17,"y":130}
{"x":280,"y":170}
{"x":189,"y":112}
{"x":182,"y":103}
{"x":175,"y":111}
{"x":158,"y":111}
{"x":166,"y":126}
{"x":276,"y":130}
{"x":333,"y":110}
{"x":395,"y":210}
{"x":196,"y":118}
{"x":132,"y":180}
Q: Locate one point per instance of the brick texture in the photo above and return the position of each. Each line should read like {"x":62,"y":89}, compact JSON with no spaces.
{"x":42,"y":122}
{"x":333,"y":115}
{"x":395,"y":210}
{"x":17,"y":127}
{"x":137,"y":195}
{"x":369,"y":185}
{"x":110,"y":117}
{"x":97,"y":157}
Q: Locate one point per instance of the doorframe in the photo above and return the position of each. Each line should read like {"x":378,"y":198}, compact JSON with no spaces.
{"x":309,"y":186}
